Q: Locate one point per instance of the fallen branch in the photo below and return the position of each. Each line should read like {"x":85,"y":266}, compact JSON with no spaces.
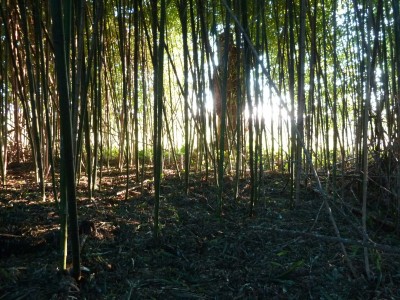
{"x":367,"y":244}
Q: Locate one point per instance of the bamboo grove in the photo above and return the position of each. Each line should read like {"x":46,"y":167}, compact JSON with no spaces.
{"x":222,"y":87}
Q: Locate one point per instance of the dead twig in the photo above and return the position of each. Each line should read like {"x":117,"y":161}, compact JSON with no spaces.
{"x":367,"y":244}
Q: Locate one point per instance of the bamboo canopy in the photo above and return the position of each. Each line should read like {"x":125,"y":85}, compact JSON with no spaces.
{"x":237,"y":88}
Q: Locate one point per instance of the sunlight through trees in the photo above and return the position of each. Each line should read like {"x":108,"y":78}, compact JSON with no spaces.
{"x":229,"y":89}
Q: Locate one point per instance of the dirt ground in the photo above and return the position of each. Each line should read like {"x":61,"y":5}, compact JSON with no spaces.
{"x":199,"y":255}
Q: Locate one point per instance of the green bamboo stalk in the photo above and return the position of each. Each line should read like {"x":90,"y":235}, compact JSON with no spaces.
{"x":66,"y":131}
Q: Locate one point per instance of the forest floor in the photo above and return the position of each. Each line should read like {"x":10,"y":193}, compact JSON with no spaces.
{"x":198,"y":254}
